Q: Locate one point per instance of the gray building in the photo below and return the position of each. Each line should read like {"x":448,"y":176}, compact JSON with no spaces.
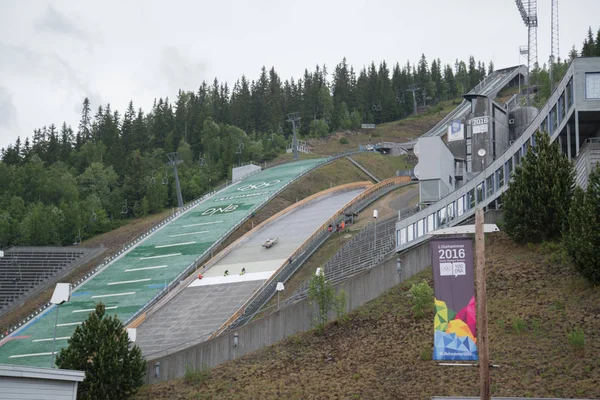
{"x":33,"y":383}
{"x":570,"y":117}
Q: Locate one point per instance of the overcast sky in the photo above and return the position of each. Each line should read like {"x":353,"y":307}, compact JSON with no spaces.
{"x":54,"y":53}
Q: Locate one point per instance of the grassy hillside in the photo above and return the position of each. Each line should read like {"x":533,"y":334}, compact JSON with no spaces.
{"x":535,"y":304}
{"x":397,"y":131}
{"x":381,"y":166}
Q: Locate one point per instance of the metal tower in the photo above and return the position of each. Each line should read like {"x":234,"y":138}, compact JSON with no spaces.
{"x":555,"y":50}
{"x":293,"y":118}
{"x":413,"y":88}
{"x":528,"y":11}
{"x":173,"y":161}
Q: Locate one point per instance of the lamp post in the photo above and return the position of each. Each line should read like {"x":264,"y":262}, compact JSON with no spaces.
{"x":62,"y":294}
{"x":280,"y":288}
{"x":375,"y":215}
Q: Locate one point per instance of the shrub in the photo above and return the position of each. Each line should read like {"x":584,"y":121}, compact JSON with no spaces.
{"x":344,"y":140}
{"x":421,"y":298}
{"x":323,"y":294}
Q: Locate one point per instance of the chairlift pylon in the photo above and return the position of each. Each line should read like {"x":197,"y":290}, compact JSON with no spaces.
{"x":124,"y":210}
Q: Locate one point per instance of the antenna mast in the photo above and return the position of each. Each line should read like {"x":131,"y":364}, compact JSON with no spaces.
{"x":555,"y":50}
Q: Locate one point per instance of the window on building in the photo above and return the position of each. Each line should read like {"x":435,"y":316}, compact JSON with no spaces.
{"x":450,"y":211}
{"x":500,"y":177}
{"x":420,"y":227}
{"x":402,"y":236}
{"x":592,"y":85}
{"x":471,"y":195}
{"x":489,"y":184}
{"x":570,"y":93}
{"x":480,"y":193}
{"x":410,"y":232}
{"x":460,"y":206}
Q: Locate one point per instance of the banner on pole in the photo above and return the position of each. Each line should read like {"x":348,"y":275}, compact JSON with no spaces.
{"x":455,"y":321}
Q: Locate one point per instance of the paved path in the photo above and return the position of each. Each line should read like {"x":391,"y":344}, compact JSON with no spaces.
{"x":206,"y":304}
{"x":130,"y":281}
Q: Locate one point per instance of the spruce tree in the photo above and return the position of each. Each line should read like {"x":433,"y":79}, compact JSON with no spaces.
{"x":537,"y":201}
{"x":100,"y":348}
{"x":582,"y":236}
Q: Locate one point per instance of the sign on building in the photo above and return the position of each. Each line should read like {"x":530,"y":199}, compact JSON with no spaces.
{"x":456,"y":130}
{"x":479,"y":124}
{"x":455,"y":320}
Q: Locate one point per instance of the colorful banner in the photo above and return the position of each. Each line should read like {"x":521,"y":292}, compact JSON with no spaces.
{"x":455,"y":320}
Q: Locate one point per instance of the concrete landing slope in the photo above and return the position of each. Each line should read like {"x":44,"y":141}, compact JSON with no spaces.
{"x":201,"y":308}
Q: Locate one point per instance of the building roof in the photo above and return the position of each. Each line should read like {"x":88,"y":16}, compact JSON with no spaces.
{"x":20,"y":371}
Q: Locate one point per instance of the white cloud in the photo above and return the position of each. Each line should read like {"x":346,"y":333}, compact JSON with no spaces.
{"x":55,"y":53}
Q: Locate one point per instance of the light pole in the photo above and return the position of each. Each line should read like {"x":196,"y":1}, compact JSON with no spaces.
{"x":62,"y":294}
{"x":375,"y":215}
{"x":280,"y":288}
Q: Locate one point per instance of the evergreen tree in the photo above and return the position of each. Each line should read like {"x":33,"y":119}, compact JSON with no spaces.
{"x":537,"y":201}
{"x":84,"y":133}
{"x":100,"y":347}
{"x":589,"y":45}
{"x":582,"y":236}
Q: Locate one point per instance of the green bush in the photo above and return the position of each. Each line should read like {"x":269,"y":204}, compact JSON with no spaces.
{"x":323,"y":294}
{"x":421,"y":298}
{"x":344,"y":140}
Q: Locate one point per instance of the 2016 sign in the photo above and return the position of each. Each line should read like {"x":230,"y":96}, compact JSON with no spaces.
{"x":261,"y":185}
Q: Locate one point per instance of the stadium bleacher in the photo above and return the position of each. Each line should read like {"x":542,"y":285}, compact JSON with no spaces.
{"x":25,"y":271}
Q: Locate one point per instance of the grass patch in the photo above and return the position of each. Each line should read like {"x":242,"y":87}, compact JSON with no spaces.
{"x":576,"y":338}
{"x":381,"y":166}
{"x":195,"y":376}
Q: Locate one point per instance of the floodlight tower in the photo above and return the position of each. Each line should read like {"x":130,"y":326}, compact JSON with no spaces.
{"x":173,"y":161}
{"x":528,"y":11}
{"x":293,"y":118}
{"x":555,"y":50}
